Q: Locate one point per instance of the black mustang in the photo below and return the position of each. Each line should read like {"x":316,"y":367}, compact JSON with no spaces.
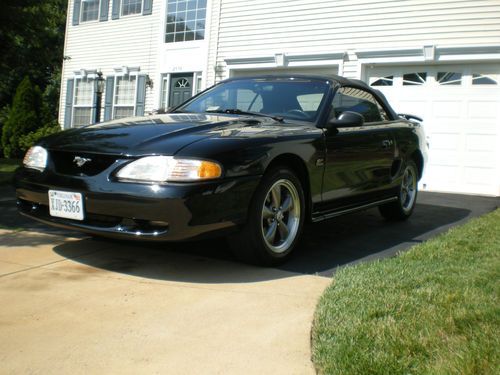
{"x":251,"y":158}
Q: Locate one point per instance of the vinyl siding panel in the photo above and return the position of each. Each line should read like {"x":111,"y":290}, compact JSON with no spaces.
{"x":266,"y":27}
{"x":129,"y":41}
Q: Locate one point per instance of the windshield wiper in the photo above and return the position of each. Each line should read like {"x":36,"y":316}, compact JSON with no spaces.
{"x":236,"y":111}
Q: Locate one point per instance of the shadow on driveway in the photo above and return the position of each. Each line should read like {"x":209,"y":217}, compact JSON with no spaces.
{"x":325,"y":246}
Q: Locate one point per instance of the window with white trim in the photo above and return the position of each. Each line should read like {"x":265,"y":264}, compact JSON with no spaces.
{"x":83,"y":102}
{"x":131,"y":7}
{"x":449,"y":78}
{"x":414,"y":79}
{"x":125,"y":96}
{"x":185,"y":20}
{"x":383,"y":81}
{"x":89,"y":10}
{"x":485,"y":79}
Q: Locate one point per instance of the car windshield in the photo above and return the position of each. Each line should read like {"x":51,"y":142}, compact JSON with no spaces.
{"x":287,"y":98}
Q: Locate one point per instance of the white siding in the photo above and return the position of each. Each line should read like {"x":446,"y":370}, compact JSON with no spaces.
{"x":265,"y":27}
{"x":129,"y":41}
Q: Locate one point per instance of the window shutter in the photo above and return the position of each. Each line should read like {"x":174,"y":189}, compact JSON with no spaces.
{"x":148,"y":7}
{"x":68,"y":110}
{"x":116,"y":9}
{"x":108,"y":101}
{"x":140,"y":102}
{"x":104,"y":10}
{"x":76,"y":12}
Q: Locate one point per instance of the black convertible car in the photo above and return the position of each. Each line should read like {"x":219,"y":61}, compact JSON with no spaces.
{"x":249,"y":158}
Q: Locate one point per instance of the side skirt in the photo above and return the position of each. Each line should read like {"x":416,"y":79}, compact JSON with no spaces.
{"x":320,"y":216}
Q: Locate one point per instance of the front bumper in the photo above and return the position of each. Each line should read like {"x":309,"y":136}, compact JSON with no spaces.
{"x":169,"y":212}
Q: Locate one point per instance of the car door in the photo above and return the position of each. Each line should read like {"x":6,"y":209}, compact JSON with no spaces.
{"x":358,"y":159}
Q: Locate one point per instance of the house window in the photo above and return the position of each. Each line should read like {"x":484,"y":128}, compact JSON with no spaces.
{"x":131,"y":7}
{"x":449,"y":78}
{"x":483,"y":79}
{"x":90,"y":10}
{"x":414,"y":79}
{"x":384,"y":81}
{"x":83,"y":102}
{"x":185,"y":20}
{"x":124,"y":103}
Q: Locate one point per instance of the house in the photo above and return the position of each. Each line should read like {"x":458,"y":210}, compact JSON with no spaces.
{"x":438,"y":59}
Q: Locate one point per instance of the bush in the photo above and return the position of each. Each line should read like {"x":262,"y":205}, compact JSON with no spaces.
{"x":23,"y":118}
{"x":30,"y":139}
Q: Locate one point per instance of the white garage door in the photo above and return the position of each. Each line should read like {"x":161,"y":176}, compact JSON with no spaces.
{"x":460,"y":105}
{"x":289,"y":70}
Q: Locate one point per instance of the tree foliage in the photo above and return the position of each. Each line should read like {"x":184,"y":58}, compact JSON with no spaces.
{"x":32,"y":40}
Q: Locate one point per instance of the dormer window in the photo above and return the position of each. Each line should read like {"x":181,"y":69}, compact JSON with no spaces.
{"x":185,"y":20}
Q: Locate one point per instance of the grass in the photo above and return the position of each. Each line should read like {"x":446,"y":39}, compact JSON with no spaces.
{"x":431,"y":310}
{"x":7,"y":168}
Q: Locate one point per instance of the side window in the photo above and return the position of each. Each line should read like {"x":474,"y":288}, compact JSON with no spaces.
{"x":360,"y":101}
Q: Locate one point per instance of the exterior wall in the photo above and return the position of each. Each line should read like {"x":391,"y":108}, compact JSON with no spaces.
{"x":135,"y":41}
{"x":268,"y":27}
{"x":128,"y":41}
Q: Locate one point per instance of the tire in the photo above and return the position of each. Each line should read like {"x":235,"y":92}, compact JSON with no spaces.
{"x":404,"y":206}
{"x":275,"y":220}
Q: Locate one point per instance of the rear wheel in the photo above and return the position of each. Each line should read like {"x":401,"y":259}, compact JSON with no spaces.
{"x":275,"y":220}
{"x":403,"y":207}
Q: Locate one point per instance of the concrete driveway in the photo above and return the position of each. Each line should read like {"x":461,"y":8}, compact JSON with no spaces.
{"x":71,"y":304}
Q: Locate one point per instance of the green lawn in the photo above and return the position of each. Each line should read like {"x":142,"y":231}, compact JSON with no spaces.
{"x":7,"y":168}
{"x":432,"y":310}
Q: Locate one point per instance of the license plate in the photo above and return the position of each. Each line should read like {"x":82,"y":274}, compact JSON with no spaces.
{"x":66,"y":204}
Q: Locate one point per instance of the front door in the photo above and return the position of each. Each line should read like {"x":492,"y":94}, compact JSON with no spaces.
{"x":181,"y":88}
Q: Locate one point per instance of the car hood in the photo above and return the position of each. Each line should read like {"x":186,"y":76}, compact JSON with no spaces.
{"x":159,"y":134}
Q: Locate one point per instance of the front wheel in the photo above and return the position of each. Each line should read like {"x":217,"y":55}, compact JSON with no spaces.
{"x":275,"y":220}
{"x":403,"y":207}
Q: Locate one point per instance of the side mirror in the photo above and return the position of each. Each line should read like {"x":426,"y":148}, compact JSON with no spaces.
{"x":346,"y":119}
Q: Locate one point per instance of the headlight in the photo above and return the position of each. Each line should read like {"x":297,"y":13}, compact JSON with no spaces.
{"x":166,"y":168}
{"x":36,"y":158}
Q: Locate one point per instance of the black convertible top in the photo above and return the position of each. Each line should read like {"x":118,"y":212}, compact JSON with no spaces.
{"x":341,"y":81}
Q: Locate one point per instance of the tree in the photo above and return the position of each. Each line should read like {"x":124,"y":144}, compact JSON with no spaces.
{"x":24,"y":117}
{"x":32,"y":40}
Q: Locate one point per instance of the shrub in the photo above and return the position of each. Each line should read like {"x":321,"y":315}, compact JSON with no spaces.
{"x":23,"y":118}
{"x":30,"y":139}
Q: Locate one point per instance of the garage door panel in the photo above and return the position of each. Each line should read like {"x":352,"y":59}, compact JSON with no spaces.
{"x":480,"y":142}
{"x":479,"y":176}
{"x":446,"y":109}
{"x":445,"y":141}
{"x":480,"y":159}
{"x":444,"y":158}
{"x":486,"y":109}
{"x":442,"y":175}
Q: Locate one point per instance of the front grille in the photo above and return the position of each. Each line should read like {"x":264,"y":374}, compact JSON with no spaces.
{"x":66,"y":163}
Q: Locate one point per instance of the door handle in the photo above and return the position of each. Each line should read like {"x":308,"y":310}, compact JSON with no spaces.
{"x":387,"y":143}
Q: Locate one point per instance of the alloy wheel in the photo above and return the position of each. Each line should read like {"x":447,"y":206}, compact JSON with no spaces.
{"x":408,"y":189}
{"x":280,"y":216}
